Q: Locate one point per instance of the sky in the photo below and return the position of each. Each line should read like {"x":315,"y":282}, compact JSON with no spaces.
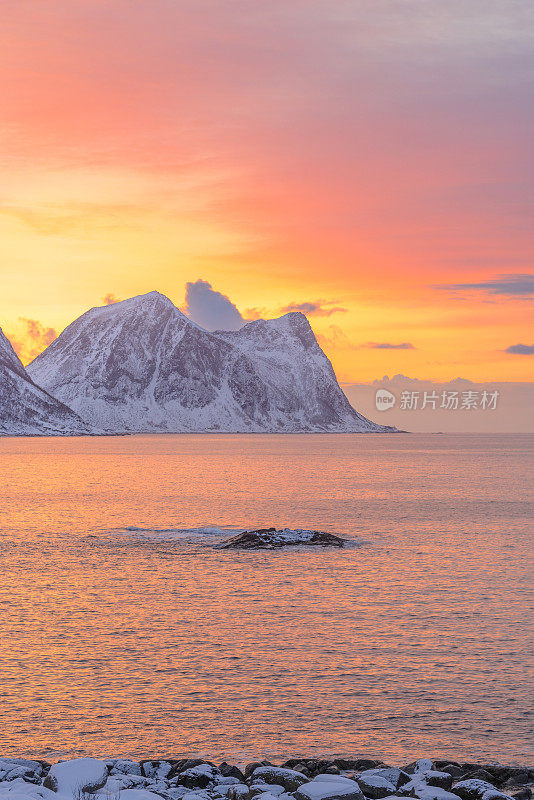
{"x":368,"y":162}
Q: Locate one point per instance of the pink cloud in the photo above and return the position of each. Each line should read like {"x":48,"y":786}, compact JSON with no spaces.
{"x":342,"y":128}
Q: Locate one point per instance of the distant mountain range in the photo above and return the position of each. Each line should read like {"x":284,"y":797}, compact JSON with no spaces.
{"x":142,"y":366}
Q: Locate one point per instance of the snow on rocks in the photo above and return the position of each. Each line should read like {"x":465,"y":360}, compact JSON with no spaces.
{"x":273,"y":538}
{"x":433,"y":793}
{"x":329,"y":787}
{"x":396,"y":777}
{"x":139,"y":794}
{"x":290,"y":779}
{"x":234,"y":791}
{"x":76,"y":776}
{"x":195,"y":779}
{"x":375,"y":786}
{"x":474,"y":789}
{"x":421,"y":765}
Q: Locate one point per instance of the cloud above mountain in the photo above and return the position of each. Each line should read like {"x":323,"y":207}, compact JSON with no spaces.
{"x":211,"y":309}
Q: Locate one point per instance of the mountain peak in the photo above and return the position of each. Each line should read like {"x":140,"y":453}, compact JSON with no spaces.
{"x":147,"y":299}
{"x":142,"y":365}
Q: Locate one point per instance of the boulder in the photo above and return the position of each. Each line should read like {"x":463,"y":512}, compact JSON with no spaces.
{"x":523,"y":794}
{"x":76,"y":776}
{"x":237,"y":791}
{"x":481,"y":775}
{"x":433,"y":793}
{"x":249,"y":769}
{"x":182,"y":764}
{"x":260,"y":787}
{"x":290,"y":779}
{"x":397,"y":777}
{"x":123,"y":766}
{"x":441,"y":779}
{"x":229,"y":771}
{"x":472,"y":789}
{"x":329,"y":787}
{"x":455,"y":770}
{"x":519,"y":776}
{"x":375,"y":786}
{"x":197,"y":777}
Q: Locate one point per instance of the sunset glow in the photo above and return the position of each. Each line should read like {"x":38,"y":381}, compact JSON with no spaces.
{"x":370,"y":158}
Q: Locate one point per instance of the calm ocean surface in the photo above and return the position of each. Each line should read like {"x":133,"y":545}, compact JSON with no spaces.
{"x":116,"y":641}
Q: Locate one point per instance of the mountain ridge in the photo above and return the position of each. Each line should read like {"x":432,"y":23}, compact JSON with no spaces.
{"x":25,"y":408}
{"x":141,"y":365}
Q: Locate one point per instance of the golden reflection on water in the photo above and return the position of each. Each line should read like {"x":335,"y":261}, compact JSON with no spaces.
{"x":139,"y":643}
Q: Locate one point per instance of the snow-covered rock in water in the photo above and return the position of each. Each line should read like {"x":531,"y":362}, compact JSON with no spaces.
{"x":25,"y":408}
{"x":329,"y":787}
{"x":76,"y":776}
{"x":142,"y":366}
{"x":271,"y":538}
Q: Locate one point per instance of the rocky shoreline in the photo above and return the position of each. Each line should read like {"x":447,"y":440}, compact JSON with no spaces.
{"x":295,"y":779}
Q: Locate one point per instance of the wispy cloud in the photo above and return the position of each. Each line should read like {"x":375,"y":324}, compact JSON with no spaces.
{"x":515,"y":284}
{"x":521,"y":349}
{"x":317,"y":308}
{"x":390,"y":346}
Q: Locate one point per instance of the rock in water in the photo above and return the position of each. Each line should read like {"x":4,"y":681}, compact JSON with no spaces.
{"x":271,"y":538}
{"x":27,"y":410}
{"x":142,"y":366}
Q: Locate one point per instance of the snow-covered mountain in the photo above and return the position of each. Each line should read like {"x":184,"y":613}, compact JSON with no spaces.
{"x":141,"y":365}
{"x":27,"y":410}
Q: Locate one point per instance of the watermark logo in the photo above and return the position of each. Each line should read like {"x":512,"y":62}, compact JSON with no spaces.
{"x":384,"y":400}
{"x":450,"y":401}
{"x":438,"y":400}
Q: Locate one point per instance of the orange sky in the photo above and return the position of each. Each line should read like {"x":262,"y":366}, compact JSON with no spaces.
{"x":353,"y":153}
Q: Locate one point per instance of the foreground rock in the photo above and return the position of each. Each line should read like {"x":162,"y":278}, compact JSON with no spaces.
{"x":273,"y":538}
{"x":296,"y":779}
{"x":329,"y":787}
